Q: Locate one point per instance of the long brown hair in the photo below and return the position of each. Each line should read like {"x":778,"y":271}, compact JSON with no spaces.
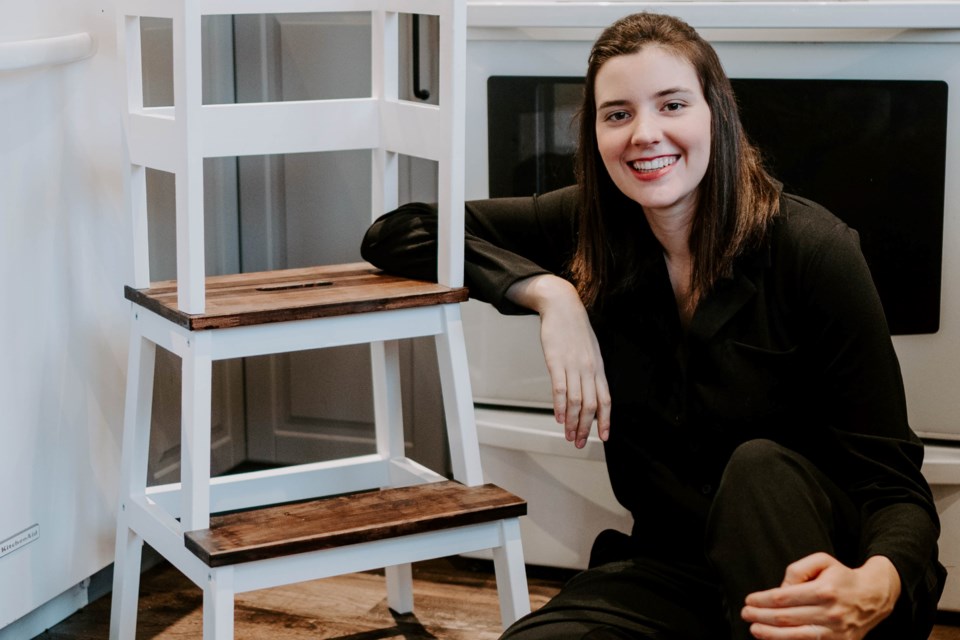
{"x":737,"y":199}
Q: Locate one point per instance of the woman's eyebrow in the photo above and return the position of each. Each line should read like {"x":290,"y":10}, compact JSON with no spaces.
{"x":612,"y":103}
{"x":672,"y":91}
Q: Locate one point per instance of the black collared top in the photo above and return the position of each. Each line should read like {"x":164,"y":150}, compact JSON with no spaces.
{"x":792,"y":346}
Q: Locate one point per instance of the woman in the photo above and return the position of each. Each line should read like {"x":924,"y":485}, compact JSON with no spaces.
{"x":728,"y":342}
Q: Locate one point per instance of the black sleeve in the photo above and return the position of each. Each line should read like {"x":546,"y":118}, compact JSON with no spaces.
{"x":880,"y":456}
{"x":506,"y":240}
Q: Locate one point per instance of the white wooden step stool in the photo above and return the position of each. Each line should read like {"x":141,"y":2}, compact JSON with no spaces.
{"x":387,"y":510}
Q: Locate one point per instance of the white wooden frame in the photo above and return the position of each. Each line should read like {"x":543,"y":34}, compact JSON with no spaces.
{"x":177,"y":139}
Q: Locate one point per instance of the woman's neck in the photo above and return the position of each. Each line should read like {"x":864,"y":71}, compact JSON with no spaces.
{"x":672,"y":231}
{"x":671,"y":226}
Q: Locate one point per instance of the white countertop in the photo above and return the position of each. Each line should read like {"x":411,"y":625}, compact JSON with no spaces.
{"x":725,"y":14}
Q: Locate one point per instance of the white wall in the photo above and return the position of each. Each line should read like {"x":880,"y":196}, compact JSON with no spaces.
{"x":64,"y":259}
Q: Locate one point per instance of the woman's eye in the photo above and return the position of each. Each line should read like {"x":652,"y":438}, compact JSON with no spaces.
{"x":673,"y":106}
{"x":616,"y":116}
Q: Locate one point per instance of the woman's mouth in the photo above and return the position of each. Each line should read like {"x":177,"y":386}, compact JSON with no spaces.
{"x":647,"y":166}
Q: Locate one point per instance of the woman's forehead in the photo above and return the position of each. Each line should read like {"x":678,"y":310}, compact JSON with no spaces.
{"x":651,"y":70}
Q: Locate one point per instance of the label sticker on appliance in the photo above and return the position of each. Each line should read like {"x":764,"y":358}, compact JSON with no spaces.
{"x":19,"y":540}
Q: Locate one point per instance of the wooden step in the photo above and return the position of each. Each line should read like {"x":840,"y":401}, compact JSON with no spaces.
{"x":294,"y":294}
{"x":325,"y":523}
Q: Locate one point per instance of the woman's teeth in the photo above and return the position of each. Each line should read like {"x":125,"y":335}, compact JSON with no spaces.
{"x":653,"y":165}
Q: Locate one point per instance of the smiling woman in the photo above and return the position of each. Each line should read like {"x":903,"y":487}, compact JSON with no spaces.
{"x":728,"y":342}
{"x":653,"y":133}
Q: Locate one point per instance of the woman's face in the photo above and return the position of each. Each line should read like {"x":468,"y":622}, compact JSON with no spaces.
{"x":653,"y":129}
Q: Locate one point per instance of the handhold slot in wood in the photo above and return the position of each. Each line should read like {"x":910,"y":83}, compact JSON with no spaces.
{"x":297,"y":285}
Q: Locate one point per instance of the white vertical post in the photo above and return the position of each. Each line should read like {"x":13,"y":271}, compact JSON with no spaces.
{"x":400,"y":587}
{"x":387,"y":400}
{"x":135,"y":186}
{"x":511,"y":574}
{"x":385,"y":357}
{"x":218,"y":599}
{"x":126,"y":581}
{"x":188,"y":101}
{"x":388,"y":422}
{"x":385,"y":88}
{"x":137,"y":410}
{"x":453,"y":60}
{"x":133,"y":478}
{"x":196,"y":404}
{"x":458,"y":399}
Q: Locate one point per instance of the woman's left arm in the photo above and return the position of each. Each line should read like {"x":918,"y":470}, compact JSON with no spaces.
{"x":876,"y":457}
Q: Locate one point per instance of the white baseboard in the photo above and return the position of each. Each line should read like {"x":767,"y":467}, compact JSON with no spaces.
{"x":48,"y":614}
{"x":941,"y":464}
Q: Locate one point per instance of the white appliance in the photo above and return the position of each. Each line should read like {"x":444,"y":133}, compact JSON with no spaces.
{"x":849,"y":40}
{"x":63,"y":333}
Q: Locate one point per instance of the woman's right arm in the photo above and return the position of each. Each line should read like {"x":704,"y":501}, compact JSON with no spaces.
{"x":506,"y":240}
{"x":515,"y":251}
{"x":572,"y":354}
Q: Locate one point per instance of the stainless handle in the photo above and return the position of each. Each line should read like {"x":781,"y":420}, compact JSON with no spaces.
{"x":418,"y":91}
{"x":42,"y":52}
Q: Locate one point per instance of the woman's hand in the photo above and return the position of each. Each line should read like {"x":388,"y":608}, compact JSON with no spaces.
{"x":579,"y":385}
{"x":822,"y":599}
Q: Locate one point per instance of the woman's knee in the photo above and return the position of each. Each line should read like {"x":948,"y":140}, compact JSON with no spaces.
{"x":764,"y":485}
{"x":769,"y":492}
{"x":758,"y":463}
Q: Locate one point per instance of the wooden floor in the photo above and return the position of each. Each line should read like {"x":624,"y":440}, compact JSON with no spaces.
{"x":455,"y":600}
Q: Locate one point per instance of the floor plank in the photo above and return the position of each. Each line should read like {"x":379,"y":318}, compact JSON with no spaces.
{"x":455,"y":599}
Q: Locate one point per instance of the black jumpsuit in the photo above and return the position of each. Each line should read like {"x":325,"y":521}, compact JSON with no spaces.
{"x":787,"y":369}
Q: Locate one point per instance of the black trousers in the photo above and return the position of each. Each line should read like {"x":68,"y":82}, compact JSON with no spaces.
{"x":772,"y":507}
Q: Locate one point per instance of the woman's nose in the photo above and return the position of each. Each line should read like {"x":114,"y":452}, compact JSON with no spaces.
{"x":645,"y":130}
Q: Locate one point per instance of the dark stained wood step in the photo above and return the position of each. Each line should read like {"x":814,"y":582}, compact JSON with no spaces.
{"x":294,"y":294}
{"x":326,"y":523}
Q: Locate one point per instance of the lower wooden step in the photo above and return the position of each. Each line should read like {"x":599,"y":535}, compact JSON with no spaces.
{"x":325,"y":523}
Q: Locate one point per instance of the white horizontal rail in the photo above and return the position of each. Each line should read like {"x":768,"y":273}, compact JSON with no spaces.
{"x":289,"y":127}
{"x":324,"y":563}
{"x":44,"y":52}
{"x":285,"y":484}
{"x":298,"y":335}
{"x":412,"y":129}
{"x":151,"y":135}
{"x":722,"y":15}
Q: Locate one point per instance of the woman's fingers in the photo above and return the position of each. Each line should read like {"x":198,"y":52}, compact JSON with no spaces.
{"x":820,"y":593}
{"x":587,"y":402}
{"x":558,"y":382}
{"x":603,"y":407}
{"x":808,"y":568}
{"x":580,"y":398}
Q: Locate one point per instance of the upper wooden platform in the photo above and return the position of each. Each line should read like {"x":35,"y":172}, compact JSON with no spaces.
{"x":294,"y":294}
{"x":337,"y":521}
